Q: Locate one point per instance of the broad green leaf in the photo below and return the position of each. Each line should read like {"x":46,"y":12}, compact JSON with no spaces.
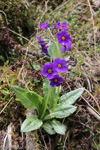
{"x":57,"y":52}
{"x":52,"y":97}
{"x":58,"y":127}
{"x":29,"y":99}
{"x":48,"y":128}
{"x":30,"y":124}
{"x":61,"y":111}
{"x":71,"y":97}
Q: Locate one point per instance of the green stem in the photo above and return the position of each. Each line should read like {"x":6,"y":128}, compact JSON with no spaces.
{"x":56,"y":98}
{"x":51,"y":34}
{"x":54,"y":41}
{"x":58,"y":49}
{"x":46,"y":103}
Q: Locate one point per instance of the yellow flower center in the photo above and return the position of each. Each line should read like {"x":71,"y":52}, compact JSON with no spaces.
{"x":59,"y":65}
{"x":56,"y":80}
{"x":49,"y":70}
{"x":44,"y":47}
{"x":60,"y":27}
{"x":63,"y":38}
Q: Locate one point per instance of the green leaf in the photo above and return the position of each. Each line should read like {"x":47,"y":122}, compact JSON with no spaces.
{"x":52,"y":97}
{"x":71,"y":97}
{"x":61,"y":111}
{"x":36,"y":67}
{"x":45,"y":86}
{"x":98,"y":145}
{"x":48,"y":128}
{"x":29,"y":99}
{"x":58,"y":127}
{"x":30,"y":124}
{"x":57,"y":52}
{"x":67,"y":57}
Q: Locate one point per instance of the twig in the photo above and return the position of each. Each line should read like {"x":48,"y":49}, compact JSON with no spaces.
{"x":93,"y":25}
{"x":23,"y":62}
{"x":90,"y":106}
{"x":23,"y":37}
{"x":9,"y":137}
{"x":38,"y":54}
{"x":64,"y":146}
{"x":93,"y":113}
{"x":46,"y":9}
{"x":59,"y":7}
{"x":6,"y":105}
{"x":43,"y":140}
{"x":16,"y":32}
{"x":5,"y":16}
{"x":50,"y":143}
{"x":88,"y":81}
{"x":20,"y":72}
{"x":93,"y":99}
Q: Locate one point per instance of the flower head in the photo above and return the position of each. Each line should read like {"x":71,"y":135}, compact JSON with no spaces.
{"x":44,"y":48}
{"x":49,"y":70}
{"x":63,"y":37}
{"x":66,"y":47}
{"x":56,"y":81}
{"x":60,"y":65}
{"x":44,"y":25}
{"x":62,"y":26}
{"x":40,"y":40}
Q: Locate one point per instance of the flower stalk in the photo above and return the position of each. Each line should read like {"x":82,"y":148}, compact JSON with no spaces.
{"x":46,"y":103}
{"x":56,"y":98}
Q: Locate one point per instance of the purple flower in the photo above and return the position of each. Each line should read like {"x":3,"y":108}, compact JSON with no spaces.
{"x":44,"y":25}
{"x":66,"y":47}
{"x":40,"y":40}
{"x":44,"y":48}
{"x":49,"y":70}
{"x":62,"y":26}
{"x":56,"y":81}
{"x":63,"y":37}
{"x":60,"y":65}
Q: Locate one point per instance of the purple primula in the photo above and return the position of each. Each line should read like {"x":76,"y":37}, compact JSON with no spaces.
{"x":40,"y":40}
{"x":63,"y":37}
{"x":44,"y":48}
{"x":66,"y":47}
{"x":49,"y":70}
{"x":56,"y":81}
{"x":60,"y":65}
{"x":62,"y":26}
{"x":44,"y":25}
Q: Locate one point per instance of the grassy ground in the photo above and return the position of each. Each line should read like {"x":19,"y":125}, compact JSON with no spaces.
{"x":83,"y":127}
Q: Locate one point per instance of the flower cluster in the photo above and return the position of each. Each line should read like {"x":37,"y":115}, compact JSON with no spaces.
{"x":50,"y":71}
{"x":63,"y":37}
{"x":59,"y":65}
